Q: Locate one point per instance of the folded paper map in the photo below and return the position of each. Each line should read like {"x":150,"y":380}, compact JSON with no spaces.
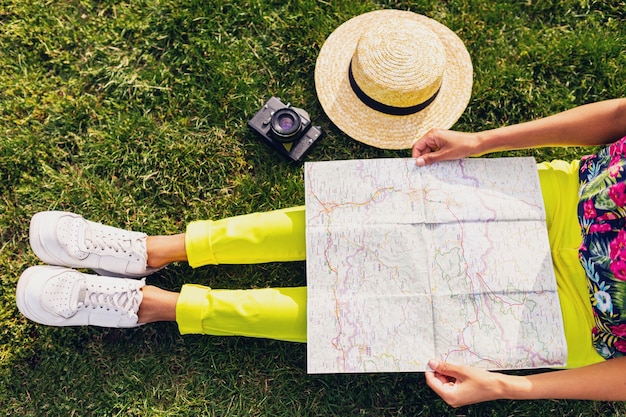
{"x":448,"y":262}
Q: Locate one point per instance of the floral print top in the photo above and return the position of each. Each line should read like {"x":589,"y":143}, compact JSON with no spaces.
{"x":602,"y":217}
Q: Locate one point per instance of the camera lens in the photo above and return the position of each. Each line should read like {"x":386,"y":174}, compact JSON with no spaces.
{"x":285,"y":124}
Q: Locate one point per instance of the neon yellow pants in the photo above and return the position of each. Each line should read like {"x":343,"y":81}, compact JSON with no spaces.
{"x":559,"y":186}
{"x":274,"y":313}
{"x":280,"y":313}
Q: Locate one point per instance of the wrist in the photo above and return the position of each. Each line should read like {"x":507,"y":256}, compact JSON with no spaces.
{"x":482,"y":143}
{"x":494,"y":140}
{"x":513,"y":387}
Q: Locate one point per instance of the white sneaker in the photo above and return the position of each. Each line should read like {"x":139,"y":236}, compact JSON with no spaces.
{"x":67,"y":239}
{"x":57,"y":296}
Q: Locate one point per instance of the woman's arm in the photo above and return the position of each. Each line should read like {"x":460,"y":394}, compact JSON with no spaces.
{"x":591,"y":124}
{"x":462,"y":385}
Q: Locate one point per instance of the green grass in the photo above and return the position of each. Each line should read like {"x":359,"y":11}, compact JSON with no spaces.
{"x":134,"y":114}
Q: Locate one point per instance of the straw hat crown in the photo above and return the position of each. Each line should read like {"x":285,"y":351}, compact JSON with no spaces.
{"x":399,"y":63}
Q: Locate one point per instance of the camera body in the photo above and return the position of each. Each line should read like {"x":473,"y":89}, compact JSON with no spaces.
{"x":285,"y":128}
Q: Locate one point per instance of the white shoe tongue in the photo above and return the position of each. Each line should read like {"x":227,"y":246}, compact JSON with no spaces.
{"x":71,"y":232}
{"x":67,"y":303}
{"x":78,"y":249}
{"x":76,"y":298}
{"x":79,"y":293}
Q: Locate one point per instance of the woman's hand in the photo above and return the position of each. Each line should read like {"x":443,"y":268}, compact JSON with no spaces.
{"x":462,"y":385}
{"x":443,"y":145}
{"x":589,"y":125}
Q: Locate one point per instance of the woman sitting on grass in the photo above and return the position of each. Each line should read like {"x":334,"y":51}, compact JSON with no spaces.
{"x":586,"y":208}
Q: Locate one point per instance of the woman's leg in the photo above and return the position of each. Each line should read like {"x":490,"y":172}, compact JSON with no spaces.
{"x":163,"y":250}
{"x":273,"y":236}
{"x":59,"y":296}
{"x":272,"y":313}
{"x":68,"y":239}
{"x":157,"y":305}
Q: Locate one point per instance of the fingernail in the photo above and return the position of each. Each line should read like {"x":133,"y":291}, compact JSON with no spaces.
{"x":433,"y":364}
{"x":420,"y":162}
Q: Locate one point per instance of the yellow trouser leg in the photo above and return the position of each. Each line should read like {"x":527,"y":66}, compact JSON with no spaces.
{"x":273,"y":236}
{"x":275,"y":313}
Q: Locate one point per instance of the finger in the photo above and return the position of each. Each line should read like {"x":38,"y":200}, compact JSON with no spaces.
{"x":429,"y":158}
{"x":419,"y":148}
{"x":437,"y":379}
{"x":427,"y":143}
{"x":445,"y":368}
{"x":436,"y":382}
{"x":433,"y":381}
{"x":442,"y":386}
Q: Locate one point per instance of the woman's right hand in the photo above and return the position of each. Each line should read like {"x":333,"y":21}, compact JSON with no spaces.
{"x":444,"y":145}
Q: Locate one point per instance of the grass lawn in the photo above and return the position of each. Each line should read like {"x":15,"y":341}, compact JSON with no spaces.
{"x":134,"y":113}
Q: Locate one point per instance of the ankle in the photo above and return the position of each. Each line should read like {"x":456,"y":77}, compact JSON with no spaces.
{"x":163,"y":250}
{"x":157,"y":305}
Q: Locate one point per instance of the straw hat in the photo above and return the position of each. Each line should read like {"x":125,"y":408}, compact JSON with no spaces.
{"x":386,"y":77}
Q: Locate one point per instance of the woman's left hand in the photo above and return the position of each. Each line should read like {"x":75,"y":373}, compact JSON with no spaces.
{"x":461,"y":385}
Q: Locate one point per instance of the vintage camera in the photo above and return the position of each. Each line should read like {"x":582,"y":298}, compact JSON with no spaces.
{"x":286,"y":129}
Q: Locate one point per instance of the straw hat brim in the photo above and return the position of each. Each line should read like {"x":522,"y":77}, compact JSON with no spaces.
{"x":375,"y":128}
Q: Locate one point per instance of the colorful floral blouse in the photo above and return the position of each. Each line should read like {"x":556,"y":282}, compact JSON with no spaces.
{"x":602,"y":217}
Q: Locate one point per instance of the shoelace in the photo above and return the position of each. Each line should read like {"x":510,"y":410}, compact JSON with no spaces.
{"x":126,"y":301}
{"x":126,"y":244}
